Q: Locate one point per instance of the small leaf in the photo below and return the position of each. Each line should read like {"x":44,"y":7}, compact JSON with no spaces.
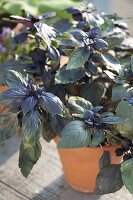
{"x":109,"y":180}
{"x":98,"y":137}
{"x":20,"y":38}
{"x":113,"y":120}
{"x":78,"y":104}
{"x":54,"y":54}
{"x":62,"y":25}
{"x":100,"y":44}
{"x":28,"y":104}
{"x":95,"y":32}
{"x":127,"y":174}
{"x":91,"y":67}
{"x":74,"y":135}
{"x":28,"y":156}
{"x":78,"y":58}
{"x":124,"y":109}
{"x":112,"y":62}
{"x":78,"y":34}
{"x":92,"y":92}
{"x":105,"y":160}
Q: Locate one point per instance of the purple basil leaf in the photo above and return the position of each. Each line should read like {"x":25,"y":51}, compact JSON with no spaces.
{"x":14,"y":93}
{"x":28,"y":104}
{"x":113,"y":120}
{"x":97,"y":109}
{"x":95,"y":32}
{"x":51,"y":103}
{"x":100,"y":44}
{"x":45,"y":32}
{"x":73,"y":10}
{"x":91,"y":67}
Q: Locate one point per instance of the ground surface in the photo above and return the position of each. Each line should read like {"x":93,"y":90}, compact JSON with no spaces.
{"x":46,"y":182}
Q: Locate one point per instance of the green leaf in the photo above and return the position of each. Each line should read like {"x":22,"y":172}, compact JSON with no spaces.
{"x":8,"y":125}
{"x":74,"y":135}
{"x":16,"y":7}
{"x":69,"y":76}
{"x":124,"y":109}
{"x":78,"y":58}
{"x":31,"y":126}
{"x":28,"y":156}
{"x":112,"y":62}
{"x":127,"y":174}
{"x":98,"y":137}
{"x":92,"y":92}
{"x":105,"y":160}
{"x":109,"y":180}
{"x":78,"y":104}
{"x":122,"y":92}
{"x":132,"y":63}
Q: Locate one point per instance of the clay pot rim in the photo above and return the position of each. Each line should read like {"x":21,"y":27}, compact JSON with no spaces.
{"x":106,"y":147}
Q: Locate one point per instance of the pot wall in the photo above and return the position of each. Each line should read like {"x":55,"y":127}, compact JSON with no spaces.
{"x":81,"y":166}
{"x":2,"y":89}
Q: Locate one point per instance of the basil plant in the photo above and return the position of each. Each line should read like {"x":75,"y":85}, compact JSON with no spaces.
{"x":71,"y":79}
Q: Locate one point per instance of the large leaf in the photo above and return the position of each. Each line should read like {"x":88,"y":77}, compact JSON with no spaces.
{"x":28,"y":104}
{"x":78,"y":104}
{"x":51,"y":103}
{"x":92,"y":92}
{"x":31,"y":126}
{"x":74,"y":135}
{"x":98,"y":137}
{"x":8,"y":125}
{"x":16,"y":79}
{"x":28,"y":156}
{"x":122,"y":92}
{"x":127,"y":174}
{"x":105,"y":160}
{"x":124,"y":109}
{"x":78,"y":58}
{"x":112,"y":62}
{"x":69,"y":76}
{"x":14,"y":93}
{"x":109,"y":180}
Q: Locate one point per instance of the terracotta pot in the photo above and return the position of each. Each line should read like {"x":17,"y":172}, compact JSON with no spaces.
{"x":81,"y":165}
{"x":2,"y":108}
